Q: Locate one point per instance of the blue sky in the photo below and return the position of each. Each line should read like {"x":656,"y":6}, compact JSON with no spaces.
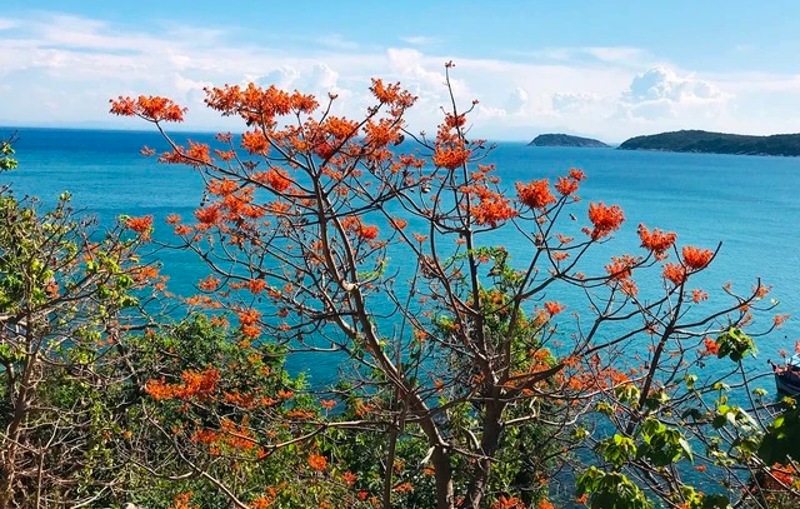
{"x":604,"y":69}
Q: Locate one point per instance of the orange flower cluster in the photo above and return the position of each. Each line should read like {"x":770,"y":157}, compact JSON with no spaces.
{"x":203,"y":301}
{"x":576,"y":174}
{"x":711,"y":347}
{"x":195,"y":385}
{"x":222,"y":187}
{"x":620,"y":267}
{"x":536,"y":195}
{"x":453,"y":121}
{"x":144,"y":273}
{"x":141,"y":225}
{"x":695,"y":258}
{"x":230,"y":435}
{"x":408,"y":161}
{"x":198,"y":154}
{"x":504,"y":502}
{"x":240,"y":400}
{"x":248,"y":322}
{"x":780,"y":319}
{"x":566,"y":186}
{"x":605,"y":219}
{"x":275,"y":177}
{"x":256,"y":286}
{"x":317,"y":462}
{"x":182,"y":501}
{"x":392,"y":94}
{"x":629,"y":288}
{"x":604,"y":379}
{"x":225,"y":155}
{"x":451,"y":157}
{"x":349,"y":478}
{"x":209,"y":215}
{"x":451,"y":149}
{"x":405,"y":487}
{"x":761,"y":290}
{"x":364,"y":232}
{"x":382,"y":133}
{"x":398,"y":223}
{"x":235,"y":207}
{"x":656,"y":241}
{"x":300,"y":413}
{"x":553,"y":308}
{"x":237,"y":436}
{"x":183,"y":229}
{"x":493,"y":209}
{"x":264,"y":501}
{"x":255,"y":142}
{"x":699,"y":295}
{"x":339,"y":128}
{"x":257,"y":105}
{"x":209,"y":284}
{"x":786,"y":475}
{"x":151,"y":108}
{"x":675,"y":273}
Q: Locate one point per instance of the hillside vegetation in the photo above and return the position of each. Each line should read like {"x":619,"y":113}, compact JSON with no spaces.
{"x":565,"y":140}
{"x":717,"y":143}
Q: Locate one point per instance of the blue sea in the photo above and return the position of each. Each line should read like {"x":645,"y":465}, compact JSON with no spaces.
{"x":749,"y":204}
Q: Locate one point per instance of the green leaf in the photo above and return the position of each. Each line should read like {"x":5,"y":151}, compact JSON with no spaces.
{"x":687,"y":449}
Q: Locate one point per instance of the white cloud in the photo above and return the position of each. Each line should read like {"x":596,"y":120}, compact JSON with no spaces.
{"x":625,"y":56}
{"x":324,"y":77}
{"x":517,"y":100}
{"x":661,"y":93}
{"x":410,"y":64}
{"x":419,"y":40}
{"x":284,"y":77}
{"x":573,"y":101}
{"x":62,"y":69}
{"x":617,"y":54}
{"x":7,"y":24}
{"x":662,"y":83}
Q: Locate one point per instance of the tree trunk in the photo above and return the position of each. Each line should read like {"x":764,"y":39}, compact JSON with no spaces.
{"x":444,"y":478}
{"x":492,"y":428}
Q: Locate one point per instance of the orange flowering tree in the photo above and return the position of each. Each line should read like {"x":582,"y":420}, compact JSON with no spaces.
{"x":384,"y":249}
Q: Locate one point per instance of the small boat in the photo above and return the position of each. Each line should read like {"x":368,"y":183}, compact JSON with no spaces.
{"x":787,"y":377}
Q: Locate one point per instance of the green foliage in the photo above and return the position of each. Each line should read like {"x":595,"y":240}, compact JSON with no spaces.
{"x":67,"y":380}
{"x":697,"y":500}
{"x":663,"y":445}
{"x":617,"y":450}
{"x":782,"y":439}
{"x":611,"y":490}
{"x":735,"y":344}
{"x":7,"y":161}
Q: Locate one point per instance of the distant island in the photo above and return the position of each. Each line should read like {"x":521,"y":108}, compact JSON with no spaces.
{"x":717,"y":143}
{"x":565,"y":140}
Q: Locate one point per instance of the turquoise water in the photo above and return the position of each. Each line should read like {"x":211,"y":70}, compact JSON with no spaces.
{"x":750,"y":204}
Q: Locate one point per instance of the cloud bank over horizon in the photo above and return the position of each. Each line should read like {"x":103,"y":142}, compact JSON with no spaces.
{"x":60,"y":70}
